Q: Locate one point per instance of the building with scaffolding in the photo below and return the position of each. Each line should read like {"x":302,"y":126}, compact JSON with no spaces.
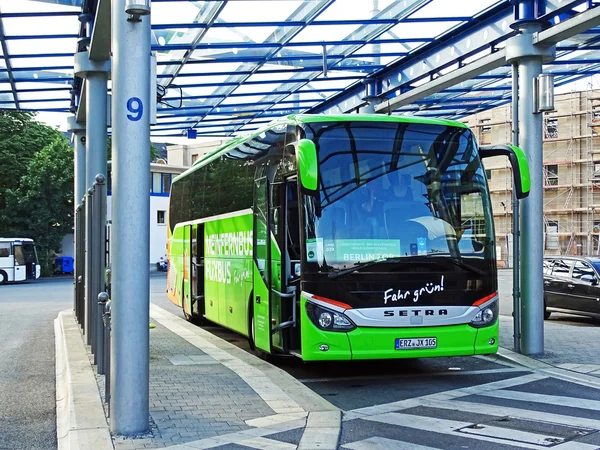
{"x":571,"y":174}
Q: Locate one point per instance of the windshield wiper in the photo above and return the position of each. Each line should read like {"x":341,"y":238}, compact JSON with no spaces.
{"x":360,"y":265}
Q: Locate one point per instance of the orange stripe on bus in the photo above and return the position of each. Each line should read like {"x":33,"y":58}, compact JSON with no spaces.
{"x":485,"y":299}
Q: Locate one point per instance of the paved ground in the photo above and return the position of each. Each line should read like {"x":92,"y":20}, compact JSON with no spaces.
{"x":207,"y":393}
{"x":562,"y":334}
{"x":27,"y":386}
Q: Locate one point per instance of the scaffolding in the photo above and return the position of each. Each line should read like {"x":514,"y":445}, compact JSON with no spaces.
{"x":571,"y":173}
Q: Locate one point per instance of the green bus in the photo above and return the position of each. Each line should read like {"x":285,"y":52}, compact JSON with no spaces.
{"x":342,"y":237}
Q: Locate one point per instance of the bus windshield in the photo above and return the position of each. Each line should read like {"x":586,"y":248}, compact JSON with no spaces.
{"x":389,"y":191}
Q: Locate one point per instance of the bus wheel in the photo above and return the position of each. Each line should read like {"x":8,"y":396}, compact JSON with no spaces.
{"x":251,"y":328}
{"x":3,"y":277}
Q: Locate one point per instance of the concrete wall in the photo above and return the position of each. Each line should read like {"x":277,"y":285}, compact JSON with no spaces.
{"x":186,"y":155}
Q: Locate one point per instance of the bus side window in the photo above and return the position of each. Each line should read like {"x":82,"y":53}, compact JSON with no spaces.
{"x":4,"y":249}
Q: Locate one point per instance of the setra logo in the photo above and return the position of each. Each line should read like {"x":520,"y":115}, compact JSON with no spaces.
{"x":415,"y":312}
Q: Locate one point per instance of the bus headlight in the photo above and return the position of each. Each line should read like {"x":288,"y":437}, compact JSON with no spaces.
{"x":486,"y":316}
{"x":328,"y":320}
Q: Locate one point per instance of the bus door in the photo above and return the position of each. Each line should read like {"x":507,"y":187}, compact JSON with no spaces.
{"x":259,"y":326}
{"x":187,"y":259}
{"x":20,"y":267}
{"x":197,"y":270}
{"x":286,"y":266}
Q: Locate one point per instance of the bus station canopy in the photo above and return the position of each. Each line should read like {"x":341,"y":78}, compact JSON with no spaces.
{"x":225,"y":67}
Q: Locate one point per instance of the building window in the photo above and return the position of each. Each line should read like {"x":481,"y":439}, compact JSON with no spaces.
{"x":166,"y":183}
{"x":194,"y":158}
{"x":486,"y":129}
{"x":551,"y":172}
{"x":160,"y":217}
{"x":488,"y":174}
{"x":596,"y":173}
{"x":551,"y":128}
{"x":596,"y":229}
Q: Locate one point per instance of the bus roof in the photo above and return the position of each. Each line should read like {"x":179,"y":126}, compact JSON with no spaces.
{"x":298,"y":119}
{"x":15,"y":239}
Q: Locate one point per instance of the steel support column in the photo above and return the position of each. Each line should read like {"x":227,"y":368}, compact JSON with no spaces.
{"x":130,"y":234}
{"x":515,"y":220}
{"x":96,"y":76}
{"x":532,"y":217}
{"x":522,"y":50}
{"x":78,"y":130}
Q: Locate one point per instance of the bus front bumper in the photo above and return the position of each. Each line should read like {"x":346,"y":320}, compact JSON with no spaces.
{"x":380,"y":343}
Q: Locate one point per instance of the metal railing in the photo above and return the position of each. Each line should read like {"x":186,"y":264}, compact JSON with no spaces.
{"x":92,"y":277}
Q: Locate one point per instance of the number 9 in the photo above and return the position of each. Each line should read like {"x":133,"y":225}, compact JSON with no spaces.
{"x":136,"y":108}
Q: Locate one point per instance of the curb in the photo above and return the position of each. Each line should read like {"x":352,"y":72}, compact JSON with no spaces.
{"x":508,"y":356}
{"x":80,"y":419}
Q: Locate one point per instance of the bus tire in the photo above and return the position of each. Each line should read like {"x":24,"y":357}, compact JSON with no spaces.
{"x":251,"y":324}
{"x":3,"y":277}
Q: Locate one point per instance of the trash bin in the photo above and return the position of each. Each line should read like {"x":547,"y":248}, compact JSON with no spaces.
{"x":63,"y":264}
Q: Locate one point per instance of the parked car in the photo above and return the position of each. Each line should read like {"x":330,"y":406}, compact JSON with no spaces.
{"x":572,"y":285}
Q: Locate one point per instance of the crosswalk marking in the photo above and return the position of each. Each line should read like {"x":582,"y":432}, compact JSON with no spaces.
{"x":503,"y":411}
{"x":447,"y":395}
{"x":379,"y":443}
{"x":593,"y":405}
{"x":450,"y":427}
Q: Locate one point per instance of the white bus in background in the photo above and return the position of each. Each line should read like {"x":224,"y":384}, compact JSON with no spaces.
{"x":18,"y":260}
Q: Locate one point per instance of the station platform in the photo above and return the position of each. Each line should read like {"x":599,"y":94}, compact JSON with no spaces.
{"x":207,"y":393}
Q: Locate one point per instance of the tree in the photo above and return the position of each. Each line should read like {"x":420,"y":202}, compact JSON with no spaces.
{"x":21,"y":137}
{"x":41,"y":207}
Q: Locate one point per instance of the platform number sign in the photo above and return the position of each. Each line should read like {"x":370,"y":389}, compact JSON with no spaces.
{"x":136,"y":108}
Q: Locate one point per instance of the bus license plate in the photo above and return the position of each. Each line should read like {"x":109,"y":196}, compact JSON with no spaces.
{"x":405,"y":344}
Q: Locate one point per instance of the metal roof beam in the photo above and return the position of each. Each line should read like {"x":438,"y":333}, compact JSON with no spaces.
{"x":63,"y":2}
{"x":563,"y":30}
{"x":99,"y":49}
{"x":482,"y":32}
{"x":7,"y":62}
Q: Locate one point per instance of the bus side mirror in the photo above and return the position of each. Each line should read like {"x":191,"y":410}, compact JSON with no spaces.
{"x":519,"y":164}
{"x":306,"y":153}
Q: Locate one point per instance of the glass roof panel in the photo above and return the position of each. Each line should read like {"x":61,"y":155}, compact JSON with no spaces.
{"x":64,"y":104}
{"x":22,"y":63}
{"x":18,"y":26}
{"x":41,"y":84}
{"x":245,"y":35}
{"x":214,"y":67}
{"x":176,"y":11}
{"x":259,"y":11}
{"x":236,"y":54}
{"x":47,"y":45}
{"x":16,"y":6}
{"x":221,"y":57}
{"x":315,"y":33}
{"x":443,"y":8}
{"x":420,"y":30}
{"x":45,"y":95}
{"x":350,"y":10}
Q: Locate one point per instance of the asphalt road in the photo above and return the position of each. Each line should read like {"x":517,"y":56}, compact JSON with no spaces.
{"x":27,"y":368}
